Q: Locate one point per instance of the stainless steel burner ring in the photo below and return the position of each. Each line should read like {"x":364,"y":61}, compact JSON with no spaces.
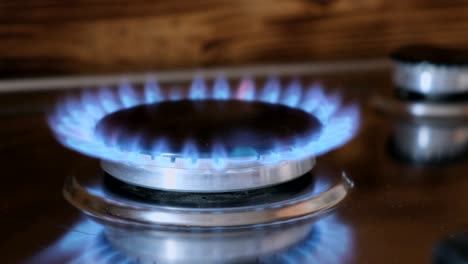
{"x":92,"y":198}
{"x":206,"y":178}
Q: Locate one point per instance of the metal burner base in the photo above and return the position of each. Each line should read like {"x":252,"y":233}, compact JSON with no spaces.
{"x":83,"y":191}
{"x":232,"y":178}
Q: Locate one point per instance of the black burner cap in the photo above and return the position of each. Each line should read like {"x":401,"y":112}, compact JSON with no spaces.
{"x":241,"y":127}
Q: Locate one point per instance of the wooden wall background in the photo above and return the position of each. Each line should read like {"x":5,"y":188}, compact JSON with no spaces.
{"x":53,"y":37}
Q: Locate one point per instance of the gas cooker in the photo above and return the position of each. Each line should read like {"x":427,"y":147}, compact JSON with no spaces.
{"x":399,"y":203}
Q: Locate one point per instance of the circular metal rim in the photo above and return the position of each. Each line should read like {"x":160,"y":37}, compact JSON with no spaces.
{"x":420,"y":109}
{"x":430,"y":79}
{"x":208,"y":180}
{"x":114,"y":210}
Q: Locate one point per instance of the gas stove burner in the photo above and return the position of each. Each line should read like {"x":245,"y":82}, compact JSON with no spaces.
{"x":204,"y":141}
{"x":245,"y":130}
{"x":221,"y":159}
{"x":430,"y":82}
{"x":432,"y":73}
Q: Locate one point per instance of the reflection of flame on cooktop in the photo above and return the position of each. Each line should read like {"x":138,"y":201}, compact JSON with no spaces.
{"x":324,"y":241}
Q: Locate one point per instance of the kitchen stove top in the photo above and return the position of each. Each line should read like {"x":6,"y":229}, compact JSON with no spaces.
{"x":400,"y":212}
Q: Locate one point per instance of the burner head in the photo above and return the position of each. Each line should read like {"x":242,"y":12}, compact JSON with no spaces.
{"x":242,"y":128}
{"x":206,"y":139}
{"x":431,"y":73}
{"x":193,"y":133}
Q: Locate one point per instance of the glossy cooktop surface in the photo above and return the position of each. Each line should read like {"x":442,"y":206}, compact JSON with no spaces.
{"x":408,"y":206}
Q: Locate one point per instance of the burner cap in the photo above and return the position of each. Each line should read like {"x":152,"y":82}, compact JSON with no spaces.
{"x":242,"y":128}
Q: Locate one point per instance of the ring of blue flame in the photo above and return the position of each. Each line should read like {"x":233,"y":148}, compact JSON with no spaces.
{"x":75,"y":118}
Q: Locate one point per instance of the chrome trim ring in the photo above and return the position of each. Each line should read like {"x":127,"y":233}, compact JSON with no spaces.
{"x":208,"y":179}
{"x":94,"y":201}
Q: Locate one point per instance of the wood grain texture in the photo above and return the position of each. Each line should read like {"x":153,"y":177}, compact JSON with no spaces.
{"x":57,"y":37}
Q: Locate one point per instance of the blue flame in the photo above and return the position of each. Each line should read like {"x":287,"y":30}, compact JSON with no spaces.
{"x":128,"y":95}
{"x":293,"y":94}
{"x":221,"y":89}
{"x":330,"y":241}
{"x":271,"y":91}
{"x":246,"y":90}
{"x":219,"y":156}
{"x":152,"y":92}
{"x":75,"y":118}
{"x":198,"y":89}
